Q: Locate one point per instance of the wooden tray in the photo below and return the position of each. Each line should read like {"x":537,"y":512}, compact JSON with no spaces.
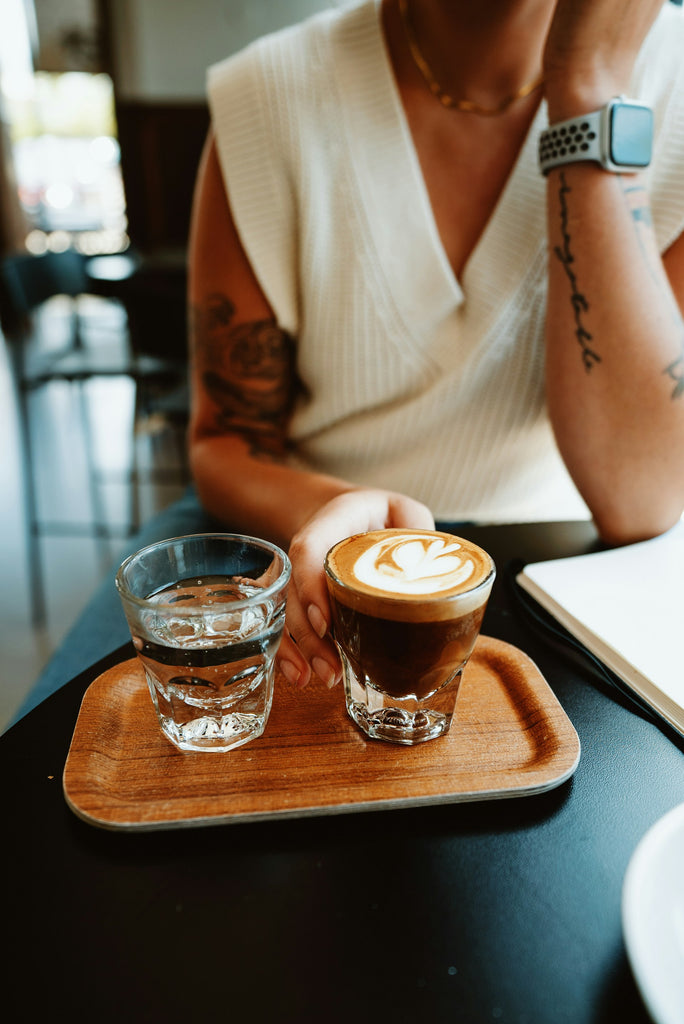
{"x":510,"y":737}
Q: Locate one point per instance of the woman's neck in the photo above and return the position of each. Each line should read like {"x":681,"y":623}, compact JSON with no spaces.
{"x":481,"y":51}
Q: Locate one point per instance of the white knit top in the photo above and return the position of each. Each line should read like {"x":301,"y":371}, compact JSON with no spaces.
{"x":415,"y":381}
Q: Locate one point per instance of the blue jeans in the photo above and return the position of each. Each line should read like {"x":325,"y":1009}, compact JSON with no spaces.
{"x":102,"y":627}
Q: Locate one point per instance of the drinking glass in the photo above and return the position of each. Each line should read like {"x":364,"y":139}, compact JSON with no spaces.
{"x":407,"y":606}
{"x":206,"y":614}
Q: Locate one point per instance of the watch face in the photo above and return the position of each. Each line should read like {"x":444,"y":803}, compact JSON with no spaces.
{"x":631,"y":135}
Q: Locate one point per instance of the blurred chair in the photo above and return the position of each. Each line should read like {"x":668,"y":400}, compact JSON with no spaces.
{"x":152,"y":288}
{"x":27,"y":282}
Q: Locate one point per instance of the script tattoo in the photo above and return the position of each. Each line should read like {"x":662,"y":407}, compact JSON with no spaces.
{"x":578,"y":301}
{"x":640,"y":212}
{"x":248,"y":370}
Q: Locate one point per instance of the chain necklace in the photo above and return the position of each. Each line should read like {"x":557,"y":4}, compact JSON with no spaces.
{"x":467,"y":106}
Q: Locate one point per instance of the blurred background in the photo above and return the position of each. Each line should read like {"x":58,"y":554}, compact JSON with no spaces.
{"x":102,"y":121}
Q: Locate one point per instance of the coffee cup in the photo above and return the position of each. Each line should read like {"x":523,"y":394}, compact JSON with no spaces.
{"x":407,"y":606}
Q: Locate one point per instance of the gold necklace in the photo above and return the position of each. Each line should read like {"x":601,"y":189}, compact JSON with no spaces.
{"x":467,"y":106}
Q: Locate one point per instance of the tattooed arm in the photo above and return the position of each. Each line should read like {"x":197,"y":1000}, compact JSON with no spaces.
{"x":615,"y":335}
{"x":244,"y":382}
{"x":244,"y":385}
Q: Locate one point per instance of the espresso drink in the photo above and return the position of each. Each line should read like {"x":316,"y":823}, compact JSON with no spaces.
{"x":407,"y":608}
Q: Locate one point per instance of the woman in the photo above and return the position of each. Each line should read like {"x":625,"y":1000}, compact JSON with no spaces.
{"x":396,"y":317}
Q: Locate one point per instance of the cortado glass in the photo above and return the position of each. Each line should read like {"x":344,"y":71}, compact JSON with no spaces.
{"x":206,"y":613}
{"x":407,"y":606}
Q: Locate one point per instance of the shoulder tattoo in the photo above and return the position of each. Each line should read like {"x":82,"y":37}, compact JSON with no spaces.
{"x":248,"y":371}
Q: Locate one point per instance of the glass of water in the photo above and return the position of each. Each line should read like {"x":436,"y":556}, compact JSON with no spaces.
{"x":206,"y":614}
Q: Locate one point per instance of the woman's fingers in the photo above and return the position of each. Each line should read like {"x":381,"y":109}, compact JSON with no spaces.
{"x":308,"y":609}
{"x":294,"y":667}
{"x":318,"y":652}
{"x":308,"y":645}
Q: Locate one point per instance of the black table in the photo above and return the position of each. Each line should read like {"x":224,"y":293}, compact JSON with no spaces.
{"x":505,"y":910}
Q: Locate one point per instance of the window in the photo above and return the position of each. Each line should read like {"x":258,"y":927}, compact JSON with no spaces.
{"x":63,"y":140}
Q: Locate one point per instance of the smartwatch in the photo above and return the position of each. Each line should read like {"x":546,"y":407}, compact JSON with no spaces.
{"x":619,"y":137}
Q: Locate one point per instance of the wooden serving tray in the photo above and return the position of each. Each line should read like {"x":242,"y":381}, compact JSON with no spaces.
{"x":510,"y":737}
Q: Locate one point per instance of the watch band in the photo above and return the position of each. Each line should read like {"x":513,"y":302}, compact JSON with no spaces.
{"x":570,"y":141}
{"x":618,"y":137}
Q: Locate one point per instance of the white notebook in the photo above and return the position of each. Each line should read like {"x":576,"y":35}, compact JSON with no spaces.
{"x":626,"y":605}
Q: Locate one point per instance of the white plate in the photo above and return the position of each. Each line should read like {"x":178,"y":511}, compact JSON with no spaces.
{"x":653,"y":917}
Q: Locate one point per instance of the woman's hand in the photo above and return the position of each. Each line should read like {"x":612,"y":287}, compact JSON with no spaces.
{"x":590,"y":52}
{"x":306,"y":643}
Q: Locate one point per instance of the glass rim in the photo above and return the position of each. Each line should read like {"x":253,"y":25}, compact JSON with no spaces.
{"x":144,"y":602}
{"x":424,"y":599}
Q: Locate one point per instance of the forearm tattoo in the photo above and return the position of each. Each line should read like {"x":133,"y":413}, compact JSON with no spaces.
{"x":579,"y":302}
{"x":675,"y":371}
{"x":248,"y":371}
{"x":640,"y":212}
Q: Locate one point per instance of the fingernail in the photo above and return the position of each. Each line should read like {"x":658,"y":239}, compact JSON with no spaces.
{"x":318,"y":623}
{"x":324,"y":671}
{"x":290,"y":671}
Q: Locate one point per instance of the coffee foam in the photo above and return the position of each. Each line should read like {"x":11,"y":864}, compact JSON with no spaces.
{"x":385,"y":570}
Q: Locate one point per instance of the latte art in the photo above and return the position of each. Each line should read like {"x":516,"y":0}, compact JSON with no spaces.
{"x":414,"y":563}
{"x":409,"y":575}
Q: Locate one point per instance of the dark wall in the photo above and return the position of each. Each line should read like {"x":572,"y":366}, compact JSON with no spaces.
{"x":161,"y":144}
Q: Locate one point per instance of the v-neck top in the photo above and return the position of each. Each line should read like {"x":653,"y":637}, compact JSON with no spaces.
{"x":413,"y":380}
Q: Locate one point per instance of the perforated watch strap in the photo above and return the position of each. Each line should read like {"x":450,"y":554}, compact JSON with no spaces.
{"x":578,"y":138}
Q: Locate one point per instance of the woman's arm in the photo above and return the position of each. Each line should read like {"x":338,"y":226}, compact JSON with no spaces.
{"x":243,"y":379}
{"x":244,"y":385}
{"x":615,"y":334}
